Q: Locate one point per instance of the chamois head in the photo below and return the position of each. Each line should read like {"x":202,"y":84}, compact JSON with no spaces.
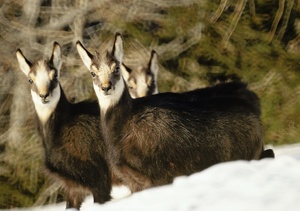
{"x":43,"y":76}
{"x":106,"y":72}
{"x":142,"y":82}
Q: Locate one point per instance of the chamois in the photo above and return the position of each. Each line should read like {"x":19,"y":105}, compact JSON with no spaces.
{"x":74,"y":150}
{"x":152,"y":140}
{"x":228,"y":89}
{"x":141,"y":82}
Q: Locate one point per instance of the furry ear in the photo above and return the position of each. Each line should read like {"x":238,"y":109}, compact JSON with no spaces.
{"x":56,"y":57}
{"x":84,"y":54}
{"x":153,"y":64}
{"x":125,"y":72}
{"x":117,"y":50}
{"x":23,"y":62}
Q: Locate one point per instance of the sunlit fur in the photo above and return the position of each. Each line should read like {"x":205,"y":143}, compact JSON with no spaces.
{"x":106,"y":72}
{"x":143,"y":80}
{"x":108,"y":100}
{"x":152,"y":140}
{"x":45,"y":110}
{"x":42,"y":79}
{"x":74,"y":151}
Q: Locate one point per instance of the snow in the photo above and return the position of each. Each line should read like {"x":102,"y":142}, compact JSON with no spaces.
{"x":269,"y":184}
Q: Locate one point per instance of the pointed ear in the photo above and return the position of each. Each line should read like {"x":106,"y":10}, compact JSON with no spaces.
{"x":23,"y":62}
{"x":153,"y":64}
{"x":125,"y":72}
{"x":117,"y":50}
{"x":56,"y":57}
{"x":85,"y":56}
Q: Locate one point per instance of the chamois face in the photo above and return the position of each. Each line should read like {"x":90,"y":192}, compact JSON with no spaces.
{"x":142,"y":82}
{"x":106,"y":72}
{"x":43,"y":77}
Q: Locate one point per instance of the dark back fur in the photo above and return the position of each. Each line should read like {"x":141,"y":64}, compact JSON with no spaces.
{"x":229,"y":89}
{"x":157,"y":138}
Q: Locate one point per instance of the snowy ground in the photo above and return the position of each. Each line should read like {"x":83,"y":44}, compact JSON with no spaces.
{"x":270,"y":184}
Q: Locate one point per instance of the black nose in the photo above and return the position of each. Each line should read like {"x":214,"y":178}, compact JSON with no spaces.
{"x":44,"y":96}
{"x":105,"y":89}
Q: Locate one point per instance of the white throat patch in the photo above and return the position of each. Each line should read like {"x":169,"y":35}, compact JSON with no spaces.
{"x":107,"y":101}
{"x":45,"y":110}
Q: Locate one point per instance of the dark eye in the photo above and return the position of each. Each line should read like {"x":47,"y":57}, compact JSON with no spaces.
{"x":55,"y":76}
{"x":30,"y":80}
{"x":93,"y":74}
{"x":152,"y":83}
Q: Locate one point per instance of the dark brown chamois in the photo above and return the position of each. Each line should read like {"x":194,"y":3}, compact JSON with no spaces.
{"x":142,"y":81}
{"x":153,"y":139}
{"x":227,"y":89}
{"x":74,"y":150}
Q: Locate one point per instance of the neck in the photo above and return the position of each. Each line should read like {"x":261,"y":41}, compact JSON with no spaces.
{"x":115,"y":114}
{"x":44,"y":111}
{"x":109,"y":101}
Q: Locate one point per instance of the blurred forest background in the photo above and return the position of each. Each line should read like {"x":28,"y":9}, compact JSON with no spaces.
{"x":199,"y":42}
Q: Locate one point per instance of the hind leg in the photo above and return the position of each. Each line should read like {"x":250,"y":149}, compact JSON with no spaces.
{"x":134,"y":180}
{"x":101,"y":188}
{"x":74,"y":199}
{"x":269,"y":153}
{"x":101,"y":196}
{"x":101,"y":193}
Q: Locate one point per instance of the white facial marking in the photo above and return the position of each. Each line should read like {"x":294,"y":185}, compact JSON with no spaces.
{"x":141,"y":85}
{"x":42,"y":78}
{"x":42,"y":82}
{"x":44,"y":110}
{"x":106,"y":101}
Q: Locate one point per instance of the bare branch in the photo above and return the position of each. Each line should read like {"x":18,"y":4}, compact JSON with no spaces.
{"x":285,"y":19}
{"x":252,"y":9}
{"x":236,"y":15}
{"x":276,"y":21}
{"x":219,"y":11}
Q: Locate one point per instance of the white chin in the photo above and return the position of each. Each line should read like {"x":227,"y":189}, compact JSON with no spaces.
{"x":45,"y":102}
{"x":106,"y":93}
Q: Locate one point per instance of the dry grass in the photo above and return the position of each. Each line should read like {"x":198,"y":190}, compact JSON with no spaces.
{"x":33,"y":26}
{"x":188,"y":49}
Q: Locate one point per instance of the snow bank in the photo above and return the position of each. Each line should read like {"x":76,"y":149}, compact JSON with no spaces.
{"x":256,"y":185}
{"x":269,"y":184}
